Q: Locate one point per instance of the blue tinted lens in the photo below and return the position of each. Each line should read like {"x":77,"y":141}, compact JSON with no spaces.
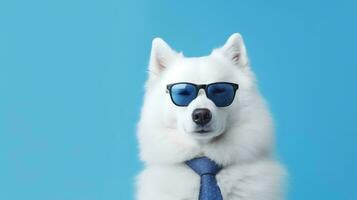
{"x":182,"y":93}
{"x":222,"y":94}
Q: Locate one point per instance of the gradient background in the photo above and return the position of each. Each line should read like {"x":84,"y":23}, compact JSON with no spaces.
{"x":72,"y":75}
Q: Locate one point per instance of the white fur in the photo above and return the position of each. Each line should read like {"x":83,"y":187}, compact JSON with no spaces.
{"x":242,"y":136}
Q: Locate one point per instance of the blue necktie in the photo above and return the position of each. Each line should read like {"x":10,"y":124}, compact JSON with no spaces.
{"x":207,"y":169}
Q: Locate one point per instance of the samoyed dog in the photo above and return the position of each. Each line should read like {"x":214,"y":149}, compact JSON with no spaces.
{"x":207,"y":107}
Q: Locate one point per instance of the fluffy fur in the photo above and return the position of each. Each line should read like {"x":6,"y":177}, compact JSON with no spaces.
{"x":242,"y":136}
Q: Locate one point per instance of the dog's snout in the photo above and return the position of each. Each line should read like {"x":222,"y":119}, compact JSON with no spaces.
{"x":201,"y":116}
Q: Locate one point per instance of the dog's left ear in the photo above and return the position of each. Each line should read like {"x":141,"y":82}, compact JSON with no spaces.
{"x":234,"y":49}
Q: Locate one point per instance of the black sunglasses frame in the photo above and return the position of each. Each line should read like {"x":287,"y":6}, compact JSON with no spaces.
{"x":201,"y":86}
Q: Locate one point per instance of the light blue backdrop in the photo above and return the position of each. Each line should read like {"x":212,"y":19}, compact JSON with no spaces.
{"x":71,"y":86}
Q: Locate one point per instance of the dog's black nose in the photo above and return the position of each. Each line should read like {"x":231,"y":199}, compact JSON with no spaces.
{"x":201,"y":116}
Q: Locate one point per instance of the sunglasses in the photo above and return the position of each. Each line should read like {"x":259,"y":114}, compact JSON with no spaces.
{"x":221,"y":93}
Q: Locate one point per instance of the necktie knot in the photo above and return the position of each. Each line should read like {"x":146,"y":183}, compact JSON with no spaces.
{"x":204,"y":165}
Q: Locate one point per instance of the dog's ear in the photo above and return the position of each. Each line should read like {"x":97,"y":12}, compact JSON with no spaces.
{"x":234,"y":49}
{"x":161,"y":57}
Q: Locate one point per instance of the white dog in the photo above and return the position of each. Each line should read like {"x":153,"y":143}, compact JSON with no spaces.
{"x":237,"y":135}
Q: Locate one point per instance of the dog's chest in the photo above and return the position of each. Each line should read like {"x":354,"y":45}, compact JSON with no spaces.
{"x":181,"y":183}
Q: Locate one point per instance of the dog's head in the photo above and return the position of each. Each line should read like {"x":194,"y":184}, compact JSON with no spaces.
{"x":200,"y":125}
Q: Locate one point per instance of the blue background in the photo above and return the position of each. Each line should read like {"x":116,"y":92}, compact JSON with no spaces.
{"x":72,"y":75}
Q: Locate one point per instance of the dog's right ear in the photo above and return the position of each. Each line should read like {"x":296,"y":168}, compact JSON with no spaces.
{"x":161,"y":57}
